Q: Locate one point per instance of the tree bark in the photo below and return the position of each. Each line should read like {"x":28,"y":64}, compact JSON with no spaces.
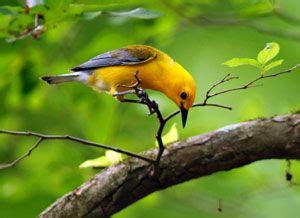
{"x":230,"y":147}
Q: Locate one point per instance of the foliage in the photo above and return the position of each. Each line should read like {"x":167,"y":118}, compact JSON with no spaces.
{"x":264,"y":56}
{"x":70,"y":38}
{"x":17,"y":22}
{"x":110,"y":158}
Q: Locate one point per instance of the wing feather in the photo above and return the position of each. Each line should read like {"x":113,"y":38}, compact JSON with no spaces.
{"x":131,"y":55}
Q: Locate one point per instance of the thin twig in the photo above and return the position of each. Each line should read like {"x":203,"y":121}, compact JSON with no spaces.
{"x":16,"y":161}
{"x":246,"y":86}
{"x":173,"y":114}
{"x":153,"y":108}
{"x":224,"y":80}
{"x":43,"y":137}
{"x":227,"y":78}
{"x":252,"y":82}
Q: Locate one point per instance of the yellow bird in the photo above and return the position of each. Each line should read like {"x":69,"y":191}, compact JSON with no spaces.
{"x":113,"y":70}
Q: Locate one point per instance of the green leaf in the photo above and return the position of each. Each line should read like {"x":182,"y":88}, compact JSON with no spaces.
{"x":98,"y":162}
{"x":171,"y":136}
{"x":110,"y":158}
{"x":273,"y":64}
{"x":268,"y":53}
{"x":113,"y":156}
{"x":235,"y":62}
{"x":140,"y":13}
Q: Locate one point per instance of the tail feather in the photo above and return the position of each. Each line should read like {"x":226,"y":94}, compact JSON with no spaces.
{"x":60,"y":78}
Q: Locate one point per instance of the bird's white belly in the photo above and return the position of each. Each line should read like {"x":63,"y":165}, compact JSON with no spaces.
{"x":99,"y":86}
{"x":83,"y":77}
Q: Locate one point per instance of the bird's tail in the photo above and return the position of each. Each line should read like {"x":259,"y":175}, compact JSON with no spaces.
{"x":61,"y":78}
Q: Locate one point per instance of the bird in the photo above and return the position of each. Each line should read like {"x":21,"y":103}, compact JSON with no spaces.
{"x":114,"y":72}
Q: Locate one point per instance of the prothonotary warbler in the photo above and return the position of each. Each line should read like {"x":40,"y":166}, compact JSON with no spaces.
{"x":113,"y":70}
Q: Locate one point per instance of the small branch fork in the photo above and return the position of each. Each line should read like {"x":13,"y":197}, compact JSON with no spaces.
{"x":43,"y":137}
{"x":153,"y":107}
{"x":227,"y":78}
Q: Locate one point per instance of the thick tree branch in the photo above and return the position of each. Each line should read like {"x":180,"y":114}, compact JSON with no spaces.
{"x":224,"y":149}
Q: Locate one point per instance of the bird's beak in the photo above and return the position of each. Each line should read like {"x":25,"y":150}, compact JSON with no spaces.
{"x":184,"y":115}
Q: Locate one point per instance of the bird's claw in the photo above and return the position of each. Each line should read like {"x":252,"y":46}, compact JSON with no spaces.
{"x":133,"y":86}
{"x":142,"y":94}
{"x":116,"y":94}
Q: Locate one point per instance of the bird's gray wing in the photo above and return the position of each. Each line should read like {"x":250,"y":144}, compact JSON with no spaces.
{"x":132,"y":55}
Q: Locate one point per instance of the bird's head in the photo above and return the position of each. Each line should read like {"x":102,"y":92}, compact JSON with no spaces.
{"x":181,"y":89}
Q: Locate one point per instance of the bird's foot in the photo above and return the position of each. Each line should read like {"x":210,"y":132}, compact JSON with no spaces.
{"x":134,"y":86}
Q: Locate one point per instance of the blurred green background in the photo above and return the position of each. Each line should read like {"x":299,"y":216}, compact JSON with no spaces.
{"x":200,"y":35}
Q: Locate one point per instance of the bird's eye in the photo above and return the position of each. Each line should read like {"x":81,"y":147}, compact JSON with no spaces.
{"x":183,"y":95}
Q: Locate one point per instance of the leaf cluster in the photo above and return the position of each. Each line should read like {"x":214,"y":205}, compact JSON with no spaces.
{"x":262,"y":62}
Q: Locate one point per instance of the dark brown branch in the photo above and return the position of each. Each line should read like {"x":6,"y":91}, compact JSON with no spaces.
{"x":43,"y":137}
{"x":230,"y":147}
